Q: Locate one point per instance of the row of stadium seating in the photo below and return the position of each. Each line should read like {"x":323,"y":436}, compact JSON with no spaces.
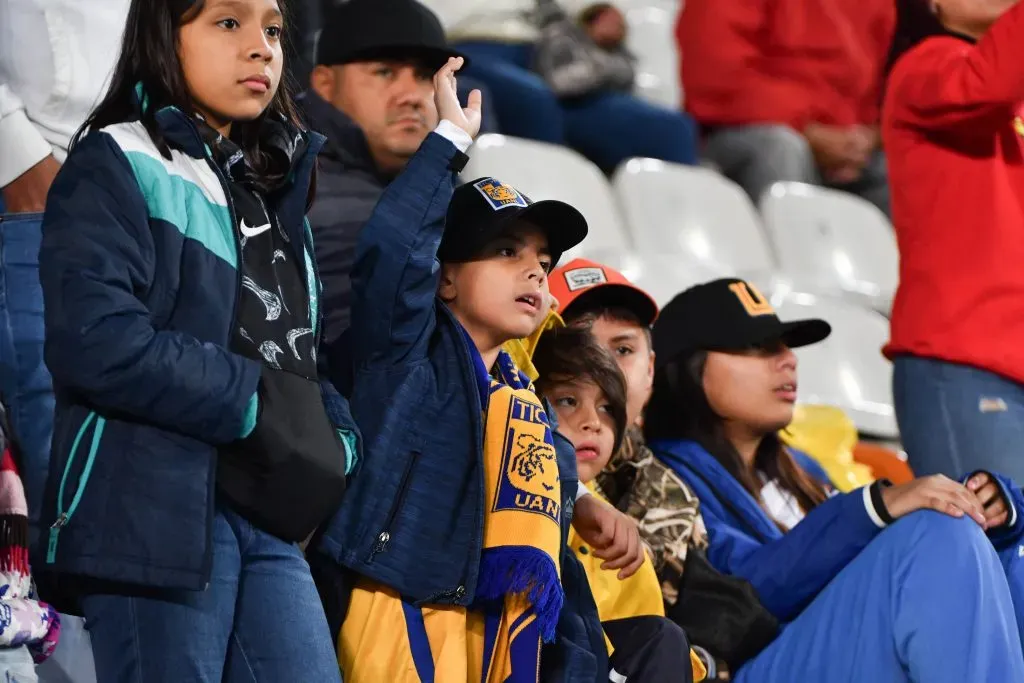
{"x":812,"y":251}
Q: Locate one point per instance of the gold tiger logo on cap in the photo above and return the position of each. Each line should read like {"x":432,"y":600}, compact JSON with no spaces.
{"x":500,"y":195}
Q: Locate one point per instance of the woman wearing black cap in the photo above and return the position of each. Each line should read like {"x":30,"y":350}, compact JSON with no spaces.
{"x":922,"y":600}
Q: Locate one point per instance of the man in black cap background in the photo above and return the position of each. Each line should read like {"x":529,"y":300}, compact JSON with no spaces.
{"x":371,"y":93}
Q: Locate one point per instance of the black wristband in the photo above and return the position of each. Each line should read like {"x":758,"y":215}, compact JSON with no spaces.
{"x":878,"y":502}
{"x":458,"y":162}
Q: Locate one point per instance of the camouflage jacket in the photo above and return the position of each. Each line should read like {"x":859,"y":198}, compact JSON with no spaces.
{"x":666,"y":510}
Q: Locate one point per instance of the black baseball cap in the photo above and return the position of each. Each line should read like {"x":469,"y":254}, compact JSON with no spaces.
{"x":486,"y":208}
{"x":726,"y":315}
{"x":365,"y":30}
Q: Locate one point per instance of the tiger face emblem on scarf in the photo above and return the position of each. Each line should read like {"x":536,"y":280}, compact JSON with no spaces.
{"x":531,"y":460}
{"x":530,"y":470}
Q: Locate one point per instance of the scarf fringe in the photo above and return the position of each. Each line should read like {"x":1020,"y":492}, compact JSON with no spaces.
{"x":14,"y":544}
{"x":521,"y":570}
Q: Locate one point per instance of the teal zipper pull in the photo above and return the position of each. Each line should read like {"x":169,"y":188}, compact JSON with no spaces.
{"x":64,"y":516}
{"x":51,"y":546}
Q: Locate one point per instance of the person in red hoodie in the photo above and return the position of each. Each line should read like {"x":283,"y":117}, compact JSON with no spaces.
{"x":789,"y":89}
{"x":953,"y":125}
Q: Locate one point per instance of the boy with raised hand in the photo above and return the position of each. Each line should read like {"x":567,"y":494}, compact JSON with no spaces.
{"x":455,"y":520}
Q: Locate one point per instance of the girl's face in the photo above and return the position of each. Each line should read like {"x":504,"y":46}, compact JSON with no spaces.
{"x":232,"y":58}
{"x":753,"y":389}
{"x":585,"y":419}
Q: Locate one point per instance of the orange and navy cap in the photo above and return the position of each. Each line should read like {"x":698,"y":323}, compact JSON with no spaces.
{"x":581,"y":285}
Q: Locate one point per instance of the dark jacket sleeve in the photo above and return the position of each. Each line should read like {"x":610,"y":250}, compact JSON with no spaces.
{"x":344,"y":203}
{"x":97,"y":257}
{"x":394,"y":281}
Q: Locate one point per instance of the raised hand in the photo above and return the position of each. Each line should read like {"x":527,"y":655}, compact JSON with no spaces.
{"x":446,"y":98}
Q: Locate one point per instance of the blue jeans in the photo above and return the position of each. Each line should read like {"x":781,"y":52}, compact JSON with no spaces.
{"x":607,"y":127}
{"x":259,"y":621}
{"x":25,"y":385}
{"x":955,"y":419}
{"x":927,"y":601}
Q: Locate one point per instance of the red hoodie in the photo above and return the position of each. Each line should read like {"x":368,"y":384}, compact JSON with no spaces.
{"x":784,"y":61}
{"x":954,"y":139}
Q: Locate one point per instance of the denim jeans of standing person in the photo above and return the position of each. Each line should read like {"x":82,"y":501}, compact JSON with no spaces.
{"x":955,"y":419}
{"x":25,"y":384}
{"x":259,"y":621}
{"x":607,"y":127}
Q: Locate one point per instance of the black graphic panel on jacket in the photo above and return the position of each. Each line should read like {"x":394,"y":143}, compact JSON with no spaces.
{"x":273,"y":308}
{"x":288,"y":475}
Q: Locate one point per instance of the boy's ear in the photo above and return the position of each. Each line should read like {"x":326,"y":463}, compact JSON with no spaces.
{"x":446,"y":285}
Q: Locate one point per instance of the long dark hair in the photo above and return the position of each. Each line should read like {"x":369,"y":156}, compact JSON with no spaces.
{"x":149,"y":55}
{"x":914,"y":22}
{"x":679,"y":409}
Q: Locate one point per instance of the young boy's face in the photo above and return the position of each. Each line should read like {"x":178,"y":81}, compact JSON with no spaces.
{"x":628,"y":343}
{"x":503,"y":294}
{"x":585,"y":419}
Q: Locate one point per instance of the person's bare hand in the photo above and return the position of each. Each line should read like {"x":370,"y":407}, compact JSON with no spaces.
{"x":613,"y":535}
{"x":997,"y":512}
{"x":843,"y":175}
{"x":27,"y":192}
{"x":840,"y":151}
{"x":446,"y":98}
{"x":866,"y":139}
{"x":935,"y":492}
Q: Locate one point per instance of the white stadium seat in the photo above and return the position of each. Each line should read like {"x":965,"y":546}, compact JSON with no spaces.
{"x":651,"y":39}
{"x":544,"y":171}
{"x":660,"y":275}
{"x":834,"y":238}
{"x":847,"y":370}
{"x":693,"y":212}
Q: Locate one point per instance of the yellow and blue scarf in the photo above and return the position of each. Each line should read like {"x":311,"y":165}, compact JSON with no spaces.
{"x":519,"y":566}
{"x":519,"y":593}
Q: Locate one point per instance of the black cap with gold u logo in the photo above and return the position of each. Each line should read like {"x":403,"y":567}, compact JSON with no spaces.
{"x":726,"y":315}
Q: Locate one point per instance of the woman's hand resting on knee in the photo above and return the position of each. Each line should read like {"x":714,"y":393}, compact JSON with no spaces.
{"x":984,"y":486}
{"x":935,"y":492}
